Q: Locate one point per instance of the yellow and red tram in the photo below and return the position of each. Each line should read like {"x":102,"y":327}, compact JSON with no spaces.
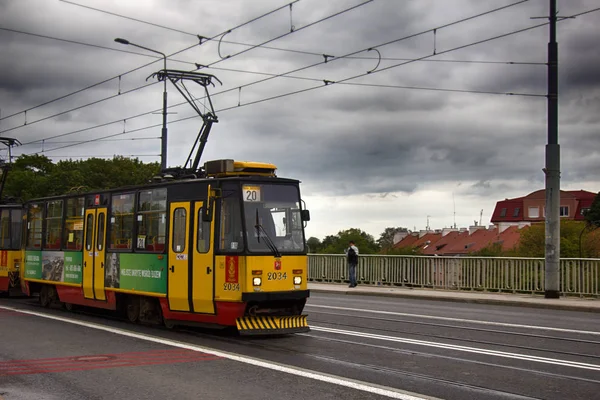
{"x":224,"y":250}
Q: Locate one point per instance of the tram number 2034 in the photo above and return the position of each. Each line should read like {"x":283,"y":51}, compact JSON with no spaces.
{"x":276,"y":276}
{"x":235,"y":287}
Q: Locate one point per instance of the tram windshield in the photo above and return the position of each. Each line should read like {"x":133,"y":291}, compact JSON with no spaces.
{"x":272,"y":218}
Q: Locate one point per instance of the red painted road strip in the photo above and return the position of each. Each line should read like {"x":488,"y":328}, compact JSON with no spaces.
{"x":98,"y":361}
{"x":7,"y":313}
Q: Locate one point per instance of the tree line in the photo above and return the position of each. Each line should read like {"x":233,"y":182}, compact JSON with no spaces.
{"x":35,"y":176}
{"x":578,"y":239}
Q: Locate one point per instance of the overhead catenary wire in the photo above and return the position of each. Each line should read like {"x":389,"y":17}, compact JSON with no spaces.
{"x":228,"y":57}
{"x":317,"y":54}
{"x":286,"y":76}
{"x":345,"y":80}
{"x":338,"y":82}
{"x":320,"y":63}
{"x":140,"y":67}
{"x":266,"y":47}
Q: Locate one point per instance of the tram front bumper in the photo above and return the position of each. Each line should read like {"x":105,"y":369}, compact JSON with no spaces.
{"x":272,"y":325}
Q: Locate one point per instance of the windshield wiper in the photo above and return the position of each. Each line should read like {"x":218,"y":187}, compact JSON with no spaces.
{"x":269,"y":241}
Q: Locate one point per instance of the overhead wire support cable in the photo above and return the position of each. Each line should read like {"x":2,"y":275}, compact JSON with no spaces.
{"x":251,"y":45}
{"x":140,"y":67}
{"x":341,"y":81}
{"x":317,"y":54}
{"x":236,"y":54}
{"x":78,"y":107}
{"x":292,"y":31}
{"x":338,"y":82}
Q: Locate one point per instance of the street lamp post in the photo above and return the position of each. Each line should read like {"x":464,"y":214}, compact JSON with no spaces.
{"x":163,"y":137}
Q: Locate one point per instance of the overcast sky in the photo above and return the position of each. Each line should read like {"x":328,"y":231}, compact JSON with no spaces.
{"x":368,"y":156}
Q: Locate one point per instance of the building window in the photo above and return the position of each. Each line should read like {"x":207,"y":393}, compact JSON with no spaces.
{"x":73,"y":238}
{"x":503,"y":212}
{"x":584,"y":211}
{"x":34,"y":227}
{"x":564,"y":211}
{"x":516,"y":212}
{"x":53,"y":224}
{"x":121,"y":220}
{"x":534,"y":212}
{"x":152,"y":220}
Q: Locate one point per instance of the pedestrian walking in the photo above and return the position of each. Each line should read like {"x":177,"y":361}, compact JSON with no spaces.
{"x":352,"y":259}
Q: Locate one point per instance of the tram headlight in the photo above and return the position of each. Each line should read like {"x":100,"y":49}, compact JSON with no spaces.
{"x":256,"y":281}
{"x":297,"y":280}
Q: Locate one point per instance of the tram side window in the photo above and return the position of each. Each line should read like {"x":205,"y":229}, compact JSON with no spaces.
{"x":73,"y":234}
{"x":179,"y":228}
{"x":121,"y":221}
{"x":152,"y":220}
{"x":230,"y":233}
{"x":5,"y":230}
{"x":16,"y":226}
{"x":53,"y":224}
{"x":34,"y":226}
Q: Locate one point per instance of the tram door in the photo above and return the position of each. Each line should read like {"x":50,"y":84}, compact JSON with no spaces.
{"x":203,"y":260}
{"x":93,"y":254}
{"x":178,"y":262}
{"x":191,"y":263}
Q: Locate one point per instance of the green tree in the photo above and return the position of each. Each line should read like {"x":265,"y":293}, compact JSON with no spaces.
{"x":335,"y":244}
{"x":592,"y":217}
{"x":575,"y":240}
{"x":34,"y":176}
{"x":386,"y":239}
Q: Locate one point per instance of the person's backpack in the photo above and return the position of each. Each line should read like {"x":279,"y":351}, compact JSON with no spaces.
{"x":352,"y":256}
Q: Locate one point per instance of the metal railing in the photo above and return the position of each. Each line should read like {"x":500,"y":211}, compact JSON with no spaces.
{"x":492,"y":274}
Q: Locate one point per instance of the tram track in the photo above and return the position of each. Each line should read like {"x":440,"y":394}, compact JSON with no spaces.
{"x":466,"y":340}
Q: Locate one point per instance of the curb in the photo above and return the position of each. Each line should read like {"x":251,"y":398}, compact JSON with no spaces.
{"x":507,"y":302}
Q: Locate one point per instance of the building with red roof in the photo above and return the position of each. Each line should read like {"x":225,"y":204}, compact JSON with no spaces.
{"x":532,"y":208}
{"x":510,"y":217}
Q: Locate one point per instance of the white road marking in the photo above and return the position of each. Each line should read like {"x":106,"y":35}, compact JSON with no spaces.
{"x":470,"y":321}
{"x":447,"y":346}
{"x":319,"y":376}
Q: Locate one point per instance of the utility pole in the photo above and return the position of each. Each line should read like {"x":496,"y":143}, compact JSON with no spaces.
{"x":552,"y":170}
{"x":163,"y":135}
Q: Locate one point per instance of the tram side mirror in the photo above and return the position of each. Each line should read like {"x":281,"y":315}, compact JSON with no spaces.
{"x":207,"y":211}
{"x":305,"y":215}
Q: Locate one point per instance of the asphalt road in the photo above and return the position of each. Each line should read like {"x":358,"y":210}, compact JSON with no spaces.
{"x":360,"y":347}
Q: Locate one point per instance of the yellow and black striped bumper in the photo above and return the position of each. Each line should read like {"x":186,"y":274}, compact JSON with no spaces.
{"x":269,"y":325}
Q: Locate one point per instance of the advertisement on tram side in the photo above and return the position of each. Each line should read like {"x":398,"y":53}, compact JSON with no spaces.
{"x":56,"y":266}
{"x":141,"y":272}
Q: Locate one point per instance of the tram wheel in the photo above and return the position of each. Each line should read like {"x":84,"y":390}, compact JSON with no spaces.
{"x":133,"y":309}
{"x":45,"y":299}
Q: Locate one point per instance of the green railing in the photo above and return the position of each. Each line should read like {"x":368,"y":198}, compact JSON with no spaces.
{"x":493,"y":274}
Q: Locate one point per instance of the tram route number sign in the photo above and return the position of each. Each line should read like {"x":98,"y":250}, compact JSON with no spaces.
{"x":251,"y":193}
